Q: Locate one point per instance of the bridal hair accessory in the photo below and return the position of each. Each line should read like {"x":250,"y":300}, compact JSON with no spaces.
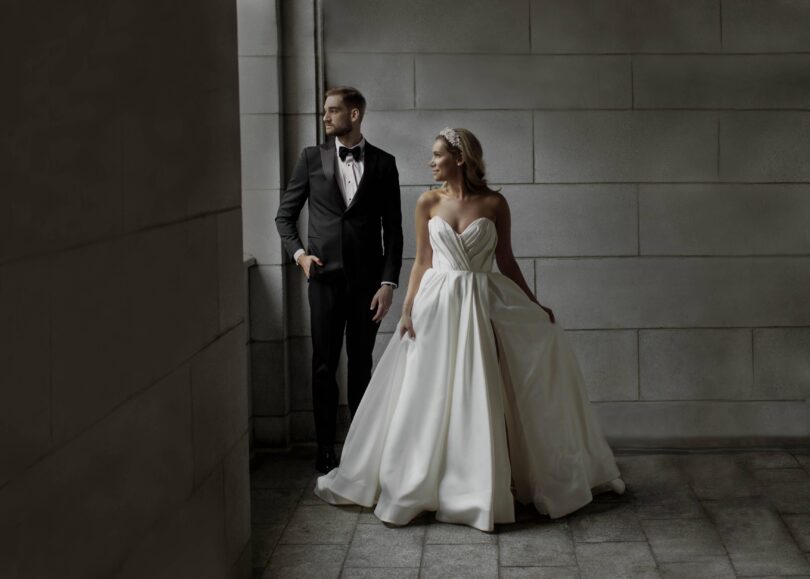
{"x":451,"y":136}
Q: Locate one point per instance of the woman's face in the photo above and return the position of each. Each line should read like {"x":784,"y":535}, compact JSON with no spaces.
{"x":443,"y":163}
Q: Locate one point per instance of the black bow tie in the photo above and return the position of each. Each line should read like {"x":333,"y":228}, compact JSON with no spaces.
{"x":355,"y":151}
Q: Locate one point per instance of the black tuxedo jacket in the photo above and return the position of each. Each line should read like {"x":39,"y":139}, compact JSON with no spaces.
{"x":364,"y":240}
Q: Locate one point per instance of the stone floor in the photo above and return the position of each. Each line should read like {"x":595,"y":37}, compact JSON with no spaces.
{"x":693,"y":515}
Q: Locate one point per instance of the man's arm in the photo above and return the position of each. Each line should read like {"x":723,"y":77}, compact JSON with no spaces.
{"x":392,"y":229}
{"x":289,"y":208}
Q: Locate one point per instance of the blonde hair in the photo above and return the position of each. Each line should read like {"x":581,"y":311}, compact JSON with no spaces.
{"x":470,"y":151}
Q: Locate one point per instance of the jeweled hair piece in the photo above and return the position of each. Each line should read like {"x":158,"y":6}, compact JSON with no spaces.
{"x":451,"y":136}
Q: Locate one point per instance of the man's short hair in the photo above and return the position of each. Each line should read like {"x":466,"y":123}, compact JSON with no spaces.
{"x":351,"y":96}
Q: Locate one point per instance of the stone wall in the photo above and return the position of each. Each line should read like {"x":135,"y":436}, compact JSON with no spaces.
{"x":123,"y":407}
{"x":656,"y":159}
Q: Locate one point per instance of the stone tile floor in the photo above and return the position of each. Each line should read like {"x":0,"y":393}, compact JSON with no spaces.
{"x":691,"y":515}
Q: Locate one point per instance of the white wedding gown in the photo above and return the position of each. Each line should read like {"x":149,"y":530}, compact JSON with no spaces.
{"x":487,"y":393}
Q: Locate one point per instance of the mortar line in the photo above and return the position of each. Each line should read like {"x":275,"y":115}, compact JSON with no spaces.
{"x":191,"y":427}
{"x":720,"y":18}
{"x":320,"y":65}
{"x":638,"y":364}
{"x":51,"y":428}
{"x":414,"y":81}
{"x":632,"y":85}
{"x":753,"y":363}
{"x":681,"y":328}
{"x":699,"y":400}
{"x":351,"y":540}
{"x":498,"y":554}
{"x":556,"y":54}
{"x":534,"y":149}
{"x":161,"y":521}
{"x":531,"y":50}
{"x":225,"y":505}
{"x":645,"y":450}
{"x":647,"y":256}
{"x":287,"y":524}
{"x":614,"y":183}
{"x":793,"y":536}
{"x":424,"y":545}
{"x":647,"y":541}
{"x":712,"y":521}
{"x":129,"y":398}
{"x":638,"y":219}
{"x":57,"y":251}
{"x":217,"y":269}
{"x":603,"y":329}
{"x":547,"y":109}
{"x":576,"y":556}
{"x":717,"y":152}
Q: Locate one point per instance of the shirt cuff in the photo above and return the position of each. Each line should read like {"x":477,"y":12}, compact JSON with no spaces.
{"x":298,"y":254}
{"x":392,"y":284}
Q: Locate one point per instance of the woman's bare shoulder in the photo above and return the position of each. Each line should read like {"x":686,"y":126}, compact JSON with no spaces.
{"x":428,"y":199}
{"x":496,"y":202}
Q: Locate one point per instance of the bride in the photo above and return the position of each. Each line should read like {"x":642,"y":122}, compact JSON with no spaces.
{"x":478,"y":395}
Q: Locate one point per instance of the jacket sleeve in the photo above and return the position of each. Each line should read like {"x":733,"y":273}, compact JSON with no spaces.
{"x":392,"y":228}
{"x":289,"y":208}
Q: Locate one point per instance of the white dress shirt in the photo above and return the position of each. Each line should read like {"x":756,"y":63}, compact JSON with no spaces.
{"x":350,"y":170}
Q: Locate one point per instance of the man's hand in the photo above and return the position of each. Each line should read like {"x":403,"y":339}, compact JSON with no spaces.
{"x":382,"y":302}
{"x":306,"y":261}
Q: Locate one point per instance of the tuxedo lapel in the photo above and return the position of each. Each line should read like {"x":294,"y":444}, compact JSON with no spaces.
{"x":369,"y":169}
{"x":328,"y":162}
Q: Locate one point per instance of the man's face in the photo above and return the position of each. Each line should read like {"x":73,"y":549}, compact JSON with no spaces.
{"x":336,"y":117}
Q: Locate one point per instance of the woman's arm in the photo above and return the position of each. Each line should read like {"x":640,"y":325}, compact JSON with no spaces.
{"x":423,"y":260}
{"x":503,"y":252}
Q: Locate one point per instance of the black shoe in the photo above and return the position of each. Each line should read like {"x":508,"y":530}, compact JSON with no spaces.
{"x":326,"y":459}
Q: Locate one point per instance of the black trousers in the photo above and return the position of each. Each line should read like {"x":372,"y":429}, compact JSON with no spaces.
{"x":334,"y":306}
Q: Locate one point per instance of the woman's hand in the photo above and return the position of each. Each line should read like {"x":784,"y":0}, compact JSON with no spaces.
{"x":406,"y":325}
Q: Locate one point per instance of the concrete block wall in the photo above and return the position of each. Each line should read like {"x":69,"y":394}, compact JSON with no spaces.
{"x":656,"y":159}
{"x":260,"y":106}
{"x":123,"y":407}
{"x":278,"y":78}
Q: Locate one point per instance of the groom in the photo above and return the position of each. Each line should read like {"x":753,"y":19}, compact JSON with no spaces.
{"x":353,"y":254}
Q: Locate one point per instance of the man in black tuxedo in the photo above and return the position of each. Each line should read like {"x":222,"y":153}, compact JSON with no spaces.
{"x":353,"y":254}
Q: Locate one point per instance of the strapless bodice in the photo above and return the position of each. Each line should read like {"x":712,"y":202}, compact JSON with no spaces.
{"x":470,"y":250}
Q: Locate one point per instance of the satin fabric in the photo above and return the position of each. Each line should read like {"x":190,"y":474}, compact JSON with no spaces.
{"x":489,"y":393}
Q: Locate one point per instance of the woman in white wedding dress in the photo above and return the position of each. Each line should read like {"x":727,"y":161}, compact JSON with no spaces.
{"x":478,"y":394}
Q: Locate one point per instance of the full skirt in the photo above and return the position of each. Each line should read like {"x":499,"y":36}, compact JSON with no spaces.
{"x":485,"y":405}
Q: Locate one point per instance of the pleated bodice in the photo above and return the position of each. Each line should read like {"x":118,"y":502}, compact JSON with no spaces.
{"x":470,"y":250}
